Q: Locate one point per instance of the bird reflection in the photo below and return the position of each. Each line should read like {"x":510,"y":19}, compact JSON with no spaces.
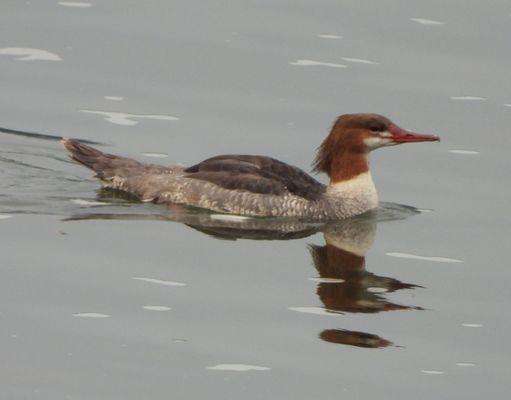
{"x":344,"y":284}
{"x":354,"y":338}
{"x":343,"y":258}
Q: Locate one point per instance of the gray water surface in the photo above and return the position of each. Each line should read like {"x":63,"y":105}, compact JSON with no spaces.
{"x":106,"y":298}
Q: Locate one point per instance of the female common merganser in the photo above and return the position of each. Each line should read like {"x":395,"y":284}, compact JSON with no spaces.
{"x":261,"y":186}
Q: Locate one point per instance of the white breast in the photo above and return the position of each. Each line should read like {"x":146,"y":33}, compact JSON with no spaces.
{"x":354,"y":196}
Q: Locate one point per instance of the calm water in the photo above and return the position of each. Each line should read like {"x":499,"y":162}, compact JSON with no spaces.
{"x":106,"y":298}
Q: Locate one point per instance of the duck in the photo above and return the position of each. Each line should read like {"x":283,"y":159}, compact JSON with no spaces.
{"x":261,"y":186}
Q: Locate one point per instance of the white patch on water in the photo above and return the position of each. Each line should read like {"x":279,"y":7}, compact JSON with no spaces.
{"x":432,"y":372}
{"x":377,"y":290}
{"x":424,"y":21}
{"x":5,"y":216}
{"x":467,"y":152}
{"x":425,"y":210}
{"x":329,"y":36}
{"x":237,"y":367}
{"x":90,"y":315}
{"x":468,"y":98}
{"x":28,"y":54}
{"x":76,"y":4}
{"x":327,"y":280}
{"x":312,"y":63}
{"x":227,"y":217}
{"x":89,"y":203}
{"x":315,"y":310}
{"x":157,"y":308}
{"x":416,"y":257}
{"x":114,"y":98}
{"x":359,"y":60}
{"x":155,"y":155}
{"x":159,"y":281}
{"x":472,"y":325}
{"x":465,"y":364}
{"x":127,"y":119}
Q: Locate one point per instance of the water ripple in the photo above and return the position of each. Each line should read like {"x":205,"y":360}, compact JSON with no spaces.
{"x":425,"y":258}
{"x":159,"y":281}
{"x":29,"y":54}
{"x":312,"y":63}
{"x":127,"y":119}
{"x":238,"y":367}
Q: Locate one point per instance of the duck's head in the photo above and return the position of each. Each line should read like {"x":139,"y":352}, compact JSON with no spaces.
{"x":353,"y":136}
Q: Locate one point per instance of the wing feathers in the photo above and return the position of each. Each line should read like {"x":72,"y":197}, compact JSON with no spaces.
{"x":241,"y":181}
{"x":256,"y":174}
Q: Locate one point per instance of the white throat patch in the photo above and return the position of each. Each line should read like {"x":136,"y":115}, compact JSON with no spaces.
{"x":374,"y":142}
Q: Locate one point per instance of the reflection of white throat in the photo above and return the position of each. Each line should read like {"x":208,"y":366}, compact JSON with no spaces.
{"x":354,"y":235}
{"x":359,"y":191}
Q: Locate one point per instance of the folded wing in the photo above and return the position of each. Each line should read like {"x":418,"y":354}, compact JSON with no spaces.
{"x":257,"y":174}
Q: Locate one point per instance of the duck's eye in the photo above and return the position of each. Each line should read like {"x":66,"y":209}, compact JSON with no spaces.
{"x":375,"y":128}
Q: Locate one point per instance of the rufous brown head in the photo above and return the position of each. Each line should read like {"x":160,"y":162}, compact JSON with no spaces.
{"x":355,"y":135}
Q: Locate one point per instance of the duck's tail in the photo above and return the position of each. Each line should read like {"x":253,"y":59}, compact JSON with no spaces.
{"x":108,"y":167}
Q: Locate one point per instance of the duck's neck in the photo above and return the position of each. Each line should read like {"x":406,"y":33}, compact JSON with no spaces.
{"x":347,"y":166}
{"x":351,"y":189}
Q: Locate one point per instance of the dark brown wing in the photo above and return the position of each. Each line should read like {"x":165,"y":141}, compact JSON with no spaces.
{"x":257,"y":174}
